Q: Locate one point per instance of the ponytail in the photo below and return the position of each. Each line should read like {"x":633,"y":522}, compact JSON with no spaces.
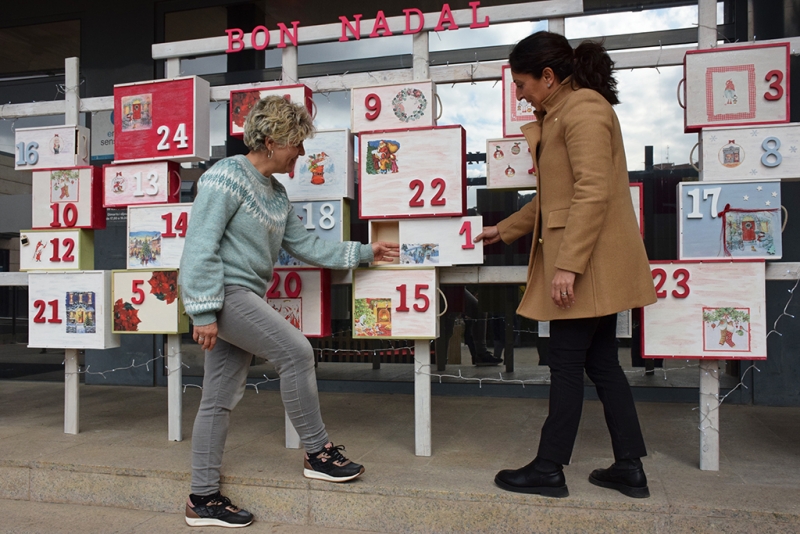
{"x":589,"y":64}
{"x":593,"y":70}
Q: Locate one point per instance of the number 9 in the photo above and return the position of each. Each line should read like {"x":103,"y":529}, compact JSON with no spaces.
{"x":373,"y":104}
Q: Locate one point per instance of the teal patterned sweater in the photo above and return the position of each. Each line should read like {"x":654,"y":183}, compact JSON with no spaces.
{"x":240,"y":219}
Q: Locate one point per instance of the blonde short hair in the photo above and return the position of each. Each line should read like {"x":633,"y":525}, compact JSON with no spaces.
{"x":274,"y":117}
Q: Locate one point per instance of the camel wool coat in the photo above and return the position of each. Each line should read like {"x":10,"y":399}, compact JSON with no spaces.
{"x":582,"y":217}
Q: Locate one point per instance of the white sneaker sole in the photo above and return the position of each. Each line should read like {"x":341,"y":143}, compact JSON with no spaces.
{"x":310,"y":473}
{"x":211,"y":522}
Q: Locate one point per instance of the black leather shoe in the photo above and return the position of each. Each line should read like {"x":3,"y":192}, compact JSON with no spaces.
{"x":486,"y":359}
{"x":529,"y":480}
{"x":630,"y":481}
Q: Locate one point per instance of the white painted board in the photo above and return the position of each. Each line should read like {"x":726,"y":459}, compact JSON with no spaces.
{"x":735,"y":86}
{"x":412,"y":173}
{"x":156,"y":235}
{"x":509,"y":164}
{"x":722,"y":220}
{"x":326,"y":169}
{"x":395,"y":303}
{"x":150,"y":182}
{"x":51,"y":147}
{"x":70,"y":310}
{"x":712,"y":309}
{"x":751,"y":153}
{"x":392,"y":107}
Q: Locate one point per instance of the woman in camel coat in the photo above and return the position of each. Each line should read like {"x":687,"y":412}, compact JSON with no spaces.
{"x":587,"y":261}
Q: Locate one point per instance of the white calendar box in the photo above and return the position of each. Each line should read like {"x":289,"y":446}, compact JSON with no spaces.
{"x":435,"y":242}
{"x":162,"y":120}
{"x":147,"y":301}
{"x":302,"y":295}
{"x":327,"y":219}
{"x":710,"y":309}
{"x":751,"y":153}
{"x":156,"y":235}
{"x":735,"y":86}
{"x":152,"y":182}
{"x":395,"y":303}
{"x":242,"y":101}
{"x":56,"y":250}
{"x":51,"y":147}
{"x":516,"y":112}
{"x":68,"y":198}
{"x":326,"y":170}
{"x":70,"y":310}
{"x":392,"y":107}
{"x":509,"y":164}
{"x":722,"y":220}
{"x":412,"y":173}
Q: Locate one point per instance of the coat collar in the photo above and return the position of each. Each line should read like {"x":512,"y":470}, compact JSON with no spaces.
{"x":553,"y":101}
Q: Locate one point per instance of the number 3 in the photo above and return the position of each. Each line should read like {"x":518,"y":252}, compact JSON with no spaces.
{"x":774,"y":85}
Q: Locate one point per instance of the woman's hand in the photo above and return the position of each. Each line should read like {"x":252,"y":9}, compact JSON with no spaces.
{"x":206,"y":335}
{"x":562,"y":291}
{"x":489,"y":236}
{"x":385,"y":251}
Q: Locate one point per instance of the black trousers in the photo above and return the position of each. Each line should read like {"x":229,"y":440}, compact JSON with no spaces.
{"x":591,"y":345}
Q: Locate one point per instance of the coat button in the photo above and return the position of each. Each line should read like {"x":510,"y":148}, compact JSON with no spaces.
{"x":541,"y":240}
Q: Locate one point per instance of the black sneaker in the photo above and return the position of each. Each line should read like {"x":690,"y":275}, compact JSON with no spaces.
{"x":487,"y":359}
{"x":330,"y":465}
{"x":215,"y":511}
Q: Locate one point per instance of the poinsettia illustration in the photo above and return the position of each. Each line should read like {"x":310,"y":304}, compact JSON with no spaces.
{"x":241,"y":104}
{"x":164,"y":285}
{"x":126,"y":317}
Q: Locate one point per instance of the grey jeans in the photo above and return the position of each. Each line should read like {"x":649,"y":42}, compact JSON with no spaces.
{"x":248,"y":325}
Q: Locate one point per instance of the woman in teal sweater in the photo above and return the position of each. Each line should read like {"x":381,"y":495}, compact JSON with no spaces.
{"x":240,"y":220}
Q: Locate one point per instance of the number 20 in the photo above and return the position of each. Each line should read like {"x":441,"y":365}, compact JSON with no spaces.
{"x":682,"y":277}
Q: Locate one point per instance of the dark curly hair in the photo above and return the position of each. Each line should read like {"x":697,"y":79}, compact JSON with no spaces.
{"x":589,"y":64}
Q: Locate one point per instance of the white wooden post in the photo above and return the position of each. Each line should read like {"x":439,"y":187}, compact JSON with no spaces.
{"x":72,"y":382}
{"x":422,"y":347}
{"x":174,"y":358}
{"x":290,"y":76}
{"x":421,"y":56}
{"x":71,"y":378}
{"x":709,"y":415}
{"x":556,"y":25}
{"x":422,"y":397}
{"x":709,"y":369}
{"x":174,"y":385}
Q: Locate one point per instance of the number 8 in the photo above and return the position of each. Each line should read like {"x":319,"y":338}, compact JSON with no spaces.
{"x":765,"y":161}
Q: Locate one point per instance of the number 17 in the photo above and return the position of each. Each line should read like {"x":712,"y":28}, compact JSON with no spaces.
{"x":695,"y":194}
